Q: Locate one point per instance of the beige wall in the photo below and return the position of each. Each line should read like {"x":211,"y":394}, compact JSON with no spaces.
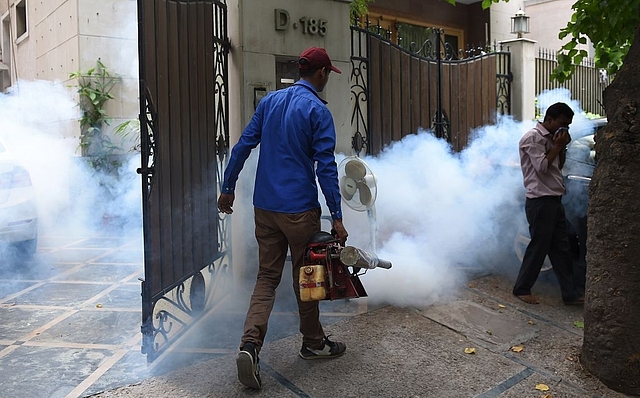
{"x":107,"y":30}
{"x":56,"y":39}
{"x":256,"y":45}
{"x":23,"y":48}
{"x":65,"y":36}
{"x":548,"y":17}
{"x":501,"y":14}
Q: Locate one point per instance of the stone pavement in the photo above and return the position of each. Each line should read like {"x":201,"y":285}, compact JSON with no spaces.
{"x":71,"y":320}
{"x":71,"y":328}
{"x":418,"y":352}
{"x":71,"y":317}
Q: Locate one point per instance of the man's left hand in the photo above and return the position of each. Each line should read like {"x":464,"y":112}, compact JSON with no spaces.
{"x":341,"y":232}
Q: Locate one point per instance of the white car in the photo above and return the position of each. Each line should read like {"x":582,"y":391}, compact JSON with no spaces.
{"x":18,"y":214}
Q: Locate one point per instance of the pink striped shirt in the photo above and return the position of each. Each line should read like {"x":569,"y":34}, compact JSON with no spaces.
{"x":540,"y":178}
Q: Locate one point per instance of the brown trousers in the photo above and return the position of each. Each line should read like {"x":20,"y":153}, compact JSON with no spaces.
{"x":276,"y":233}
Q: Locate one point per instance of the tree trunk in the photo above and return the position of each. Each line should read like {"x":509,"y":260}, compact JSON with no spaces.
{"x":611,"y":349}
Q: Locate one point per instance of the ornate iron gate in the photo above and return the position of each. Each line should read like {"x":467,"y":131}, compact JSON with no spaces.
{"x":395,"y":91}
{"x":183,"y":46}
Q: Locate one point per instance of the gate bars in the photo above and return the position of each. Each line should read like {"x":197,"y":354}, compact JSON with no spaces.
{"x":183,"y":49}
{"x":397,"y":91}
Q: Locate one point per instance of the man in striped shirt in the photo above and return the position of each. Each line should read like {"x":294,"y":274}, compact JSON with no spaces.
{"x":542,"y":156}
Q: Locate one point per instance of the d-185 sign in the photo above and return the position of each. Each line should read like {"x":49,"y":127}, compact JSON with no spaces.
{"x":311,"y":26}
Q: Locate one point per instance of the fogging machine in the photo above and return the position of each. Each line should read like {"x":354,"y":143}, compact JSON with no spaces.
{"x":332,"y":272}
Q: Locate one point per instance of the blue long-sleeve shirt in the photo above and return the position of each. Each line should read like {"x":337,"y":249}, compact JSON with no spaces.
{"x":297,"y":140}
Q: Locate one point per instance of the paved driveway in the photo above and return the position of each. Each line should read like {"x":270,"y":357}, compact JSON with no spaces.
{"x":71,"y":320}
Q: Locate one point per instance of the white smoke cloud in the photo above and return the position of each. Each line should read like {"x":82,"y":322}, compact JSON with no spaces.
{"x":39,"y":125}
{"x":441,"y":214}
{"x":438,"y":213}
{"x":36,"y":116}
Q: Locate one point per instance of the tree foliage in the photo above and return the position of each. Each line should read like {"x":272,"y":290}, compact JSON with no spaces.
{"x":360,"y":7}
{"x":94,"y":91}
{"x":609,"y":24}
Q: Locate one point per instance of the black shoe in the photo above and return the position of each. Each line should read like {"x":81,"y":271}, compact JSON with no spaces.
{"x":248,"y":368}
{"x":330,"y":349}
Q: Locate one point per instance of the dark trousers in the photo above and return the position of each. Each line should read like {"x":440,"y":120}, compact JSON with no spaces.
{"x":548,"y":229}
{"x":276,"y":233}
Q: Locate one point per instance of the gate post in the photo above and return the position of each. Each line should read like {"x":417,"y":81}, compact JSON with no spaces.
{"x":523,"y":67}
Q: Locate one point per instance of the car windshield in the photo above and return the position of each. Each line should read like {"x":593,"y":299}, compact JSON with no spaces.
{"x":582,"y":150}
{"x":581,"y":153}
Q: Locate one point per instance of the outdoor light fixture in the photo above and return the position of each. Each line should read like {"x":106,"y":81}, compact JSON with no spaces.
{"x":520,"y":23}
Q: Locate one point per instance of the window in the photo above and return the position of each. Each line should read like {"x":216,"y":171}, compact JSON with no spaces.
{"x":5,"y":38}
{"x":21,"y":20}
{"x":5,"y":52}
{"x":415,"y":37}
{"x":414,"y":34}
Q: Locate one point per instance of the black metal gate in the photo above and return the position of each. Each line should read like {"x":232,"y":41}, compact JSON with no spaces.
{"x":395,"y":91}
{"x":183,"y":47}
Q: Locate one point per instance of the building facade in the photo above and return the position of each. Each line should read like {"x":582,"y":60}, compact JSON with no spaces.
{"x":547,"y":18}
{"x":50,"y":39}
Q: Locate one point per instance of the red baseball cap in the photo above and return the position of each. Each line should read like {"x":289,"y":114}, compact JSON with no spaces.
{"x":315,"y":58}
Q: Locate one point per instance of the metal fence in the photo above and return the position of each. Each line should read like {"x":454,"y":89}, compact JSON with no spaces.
{"x":586,"y":85}
{"x":396,"y":91}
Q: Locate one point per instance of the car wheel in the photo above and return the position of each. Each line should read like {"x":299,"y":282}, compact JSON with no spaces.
{"x":27,"y":249}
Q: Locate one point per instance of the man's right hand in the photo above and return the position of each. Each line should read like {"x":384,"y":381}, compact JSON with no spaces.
{"x":225,"y":203}
{"x":341,"y":232}
{"x":561,"y":138}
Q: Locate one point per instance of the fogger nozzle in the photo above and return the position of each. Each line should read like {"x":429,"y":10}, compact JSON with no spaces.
{"x":354,"y":257}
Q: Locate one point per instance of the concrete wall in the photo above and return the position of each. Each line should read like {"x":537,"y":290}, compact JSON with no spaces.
{"x":56,"y":41}
{"x":501,"y":14}
{"x":256,"y":45}
{"x":66,"y":36}
{"x":24,"y":48}
{"x":547,"y":18}
{"x":50,"y":50}
{"x":523,"y":86}
{"x":108,"y":30}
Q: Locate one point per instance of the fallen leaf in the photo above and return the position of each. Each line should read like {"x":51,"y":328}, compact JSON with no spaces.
{"x":517,"y":348}
{"x":489,"y":332}
{"x":546,"y":396}
{"x":502,"y":306}
{"x":469,"y":350}
{"x":98,"y":305}
{"x":579,"y":324}
{"x":570,"y":359}
{"x":542,"y":387}
{"x":471,"y":285}
{"x":531,"y":322}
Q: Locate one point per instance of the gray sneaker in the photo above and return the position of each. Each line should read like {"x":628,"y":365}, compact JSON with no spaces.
{"x":248,"y":367}
{"x":330,"y":349}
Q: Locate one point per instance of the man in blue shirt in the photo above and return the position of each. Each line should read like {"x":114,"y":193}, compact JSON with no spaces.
{"x":297,"y":140}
